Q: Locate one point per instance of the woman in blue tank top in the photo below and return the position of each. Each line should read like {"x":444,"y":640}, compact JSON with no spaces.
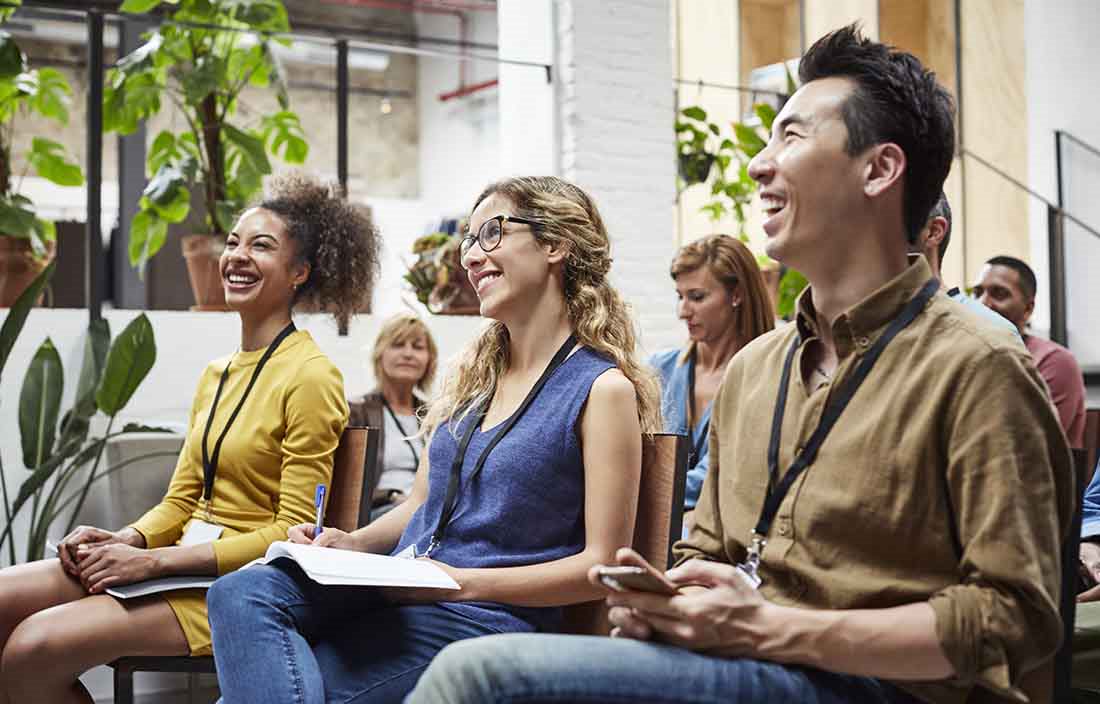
{"x":530,"y":478}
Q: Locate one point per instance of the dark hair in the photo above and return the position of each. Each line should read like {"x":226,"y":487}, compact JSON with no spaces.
{"x":1027,"y":277}
{"x":942,"y":209}
{"x":895,"y":99}
{"x":336,"y":238}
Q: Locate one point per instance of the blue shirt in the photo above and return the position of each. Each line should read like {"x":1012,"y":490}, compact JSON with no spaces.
{"x":1090,"y":509}
{"x":527,"y":504}
{"x":674,"y":399}
{"x":982,"y":311}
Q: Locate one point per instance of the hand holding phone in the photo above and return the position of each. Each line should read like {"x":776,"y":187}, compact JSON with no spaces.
{"x":630,"y":578}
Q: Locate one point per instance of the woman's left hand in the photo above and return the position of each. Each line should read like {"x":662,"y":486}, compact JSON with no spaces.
{"x":423,"y":595}
{"x":113,"y":565}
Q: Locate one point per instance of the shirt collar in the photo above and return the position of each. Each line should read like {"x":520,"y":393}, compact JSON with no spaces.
{"x":857,"y":327}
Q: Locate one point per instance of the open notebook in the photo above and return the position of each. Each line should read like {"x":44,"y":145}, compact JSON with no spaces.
{"x":322,"y":565}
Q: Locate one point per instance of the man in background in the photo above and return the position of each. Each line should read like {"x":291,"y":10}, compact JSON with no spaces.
{"x":1007,"y":286}
{"x":932,"y":243}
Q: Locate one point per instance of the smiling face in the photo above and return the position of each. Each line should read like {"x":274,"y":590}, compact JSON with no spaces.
{"x":258,"y":266}
{"x":706,"y":305}
{"x":405,"y":361}
{"x":809,"y":185}
{"x":515,"y":273}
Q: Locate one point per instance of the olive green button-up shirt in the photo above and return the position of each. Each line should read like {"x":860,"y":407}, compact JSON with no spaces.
{"x":947,"y":480}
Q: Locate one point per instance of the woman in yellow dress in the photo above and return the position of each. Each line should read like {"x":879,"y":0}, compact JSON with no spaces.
{"x":264,"y":425}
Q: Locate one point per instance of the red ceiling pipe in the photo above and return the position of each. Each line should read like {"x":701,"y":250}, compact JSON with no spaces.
{"x":467,"y":90}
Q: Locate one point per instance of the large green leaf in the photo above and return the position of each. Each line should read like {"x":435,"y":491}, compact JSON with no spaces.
{"x":96,"y":346}
{"x":276,"y":75}
{"x":12,"y":60}
{"x":48,"y":94}
{"x":43,"y":473}
{"x":147,"y":235}
{"x":48,"y":159}
{"x":766,"y":113}
{"x":131,"y":357}
{"x":16,"y":217}
{"x":138,"y":6}
{"x":250,"y":147}
{"x":748,"y":140}
{"x":695,"y":112}
{"x":284,"y":135}
{"x":40,"y":404}
{"x":17,"y":314}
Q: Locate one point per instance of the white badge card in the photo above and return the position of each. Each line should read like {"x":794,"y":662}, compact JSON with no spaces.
{"x":199,"y":532}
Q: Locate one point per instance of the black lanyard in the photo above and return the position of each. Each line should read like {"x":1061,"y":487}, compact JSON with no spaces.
{"x":404,"y":435}
{"x":777,"y":489}
{"x":696,"y":442}
{"x":450,"y":502}
{"x":210,"y":462}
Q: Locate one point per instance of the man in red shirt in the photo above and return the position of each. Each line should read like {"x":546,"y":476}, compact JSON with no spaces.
{"x":1007,"y":285}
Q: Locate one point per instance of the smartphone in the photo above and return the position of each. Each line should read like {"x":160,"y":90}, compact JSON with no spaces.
{"x":638,"y":579}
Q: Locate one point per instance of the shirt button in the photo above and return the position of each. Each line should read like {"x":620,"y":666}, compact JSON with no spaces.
{"x":784,"y":530}
{"x":863,"y":342}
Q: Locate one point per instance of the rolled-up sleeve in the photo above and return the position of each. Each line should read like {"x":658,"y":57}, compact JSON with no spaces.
{"x":1010,"y":479}
{"x":316,"y":414}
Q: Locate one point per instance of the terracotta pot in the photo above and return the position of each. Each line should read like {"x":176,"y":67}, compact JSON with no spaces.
{"x":201,"y":253}
{"x":18,"y":267}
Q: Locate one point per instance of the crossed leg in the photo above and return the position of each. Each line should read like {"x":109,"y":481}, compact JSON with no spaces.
{"x":51,"y":631}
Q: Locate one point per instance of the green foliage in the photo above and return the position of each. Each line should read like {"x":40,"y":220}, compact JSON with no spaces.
{"x":23,"y":93}
{"x":57,"y":453}
{"x":215,"y":160}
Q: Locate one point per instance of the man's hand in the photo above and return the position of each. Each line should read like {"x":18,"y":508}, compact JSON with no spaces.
{"x":1090,"y":558}
{"x":716,"y":610}
{"x":113,"y":564}
{"x":83,"y":536}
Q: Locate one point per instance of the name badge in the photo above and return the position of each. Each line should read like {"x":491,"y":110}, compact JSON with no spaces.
{"x":409,"y":553}
{"x":199,"y":532}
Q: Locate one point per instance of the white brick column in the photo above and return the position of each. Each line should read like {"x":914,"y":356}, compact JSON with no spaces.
{"x":613,"y":66}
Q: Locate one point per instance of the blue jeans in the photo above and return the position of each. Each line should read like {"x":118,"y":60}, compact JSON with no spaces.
{"x":281,"y":637}
{"x":552,"y":668}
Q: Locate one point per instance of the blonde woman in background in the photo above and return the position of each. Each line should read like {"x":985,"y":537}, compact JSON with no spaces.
{"x":404,"y":360}
{"x":530,"y":479}
{"x":725,"y":305}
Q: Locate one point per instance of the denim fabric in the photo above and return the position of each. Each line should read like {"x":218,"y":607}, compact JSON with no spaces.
{"x":548,"y":668}
{"x":1090,"y":510}
{"x":674,"y":391}
{"x":280,"y":637}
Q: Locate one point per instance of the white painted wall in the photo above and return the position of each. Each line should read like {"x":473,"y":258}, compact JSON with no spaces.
{"x":1062,"y":62}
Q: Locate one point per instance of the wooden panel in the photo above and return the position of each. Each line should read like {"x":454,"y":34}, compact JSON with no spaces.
{"x":706,"y":49}
{"x":820,"y":17}
{"x":347,"y":479}
{"x":994,"y":117}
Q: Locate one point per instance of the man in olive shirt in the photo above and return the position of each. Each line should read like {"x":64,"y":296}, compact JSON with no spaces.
{"x":916,"y":556}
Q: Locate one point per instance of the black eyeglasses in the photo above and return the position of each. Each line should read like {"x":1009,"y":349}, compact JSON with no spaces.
{"x":490,"y":233}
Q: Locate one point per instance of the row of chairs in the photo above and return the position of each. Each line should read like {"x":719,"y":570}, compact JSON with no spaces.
{"x":658,"y":525}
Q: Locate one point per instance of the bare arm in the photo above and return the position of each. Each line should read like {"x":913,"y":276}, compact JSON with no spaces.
{"x":612,"y":453}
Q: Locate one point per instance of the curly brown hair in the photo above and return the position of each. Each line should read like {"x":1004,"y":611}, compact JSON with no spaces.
{"x":336,"y":238}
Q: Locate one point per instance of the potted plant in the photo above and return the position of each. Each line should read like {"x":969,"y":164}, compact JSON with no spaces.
{"x":731,"y":187}
{"x":695,"y":150}
{"x":437,"y":276}
{"x":200,"y":60}
{"x":56,"y":448}
{"x":26,"y":240}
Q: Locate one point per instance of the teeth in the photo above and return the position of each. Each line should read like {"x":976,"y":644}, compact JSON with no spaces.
{"x":240,"y":279}
{"x":484,"y":280}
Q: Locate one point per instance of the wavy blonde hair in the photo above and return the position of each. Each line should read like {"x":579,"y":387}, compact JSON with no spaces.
{"x":600,"y":318}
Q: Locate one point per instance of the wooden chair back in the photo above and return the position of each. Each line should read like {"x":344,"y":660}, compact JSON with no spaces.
{"x":657,"y":526}
{"x":347,"y":502}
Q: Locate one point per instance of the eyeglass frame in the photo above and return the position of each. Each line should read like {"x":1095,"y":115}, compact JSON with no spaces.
{"x":501,"y":219}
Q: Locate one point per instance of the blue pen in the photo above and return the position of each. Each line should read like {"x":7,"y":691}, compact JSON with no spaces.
{"x":319,"y":502}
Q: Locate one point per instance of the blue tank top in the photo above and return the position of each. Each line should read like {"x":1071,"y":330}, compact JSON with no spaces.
{"x":527,"y":504}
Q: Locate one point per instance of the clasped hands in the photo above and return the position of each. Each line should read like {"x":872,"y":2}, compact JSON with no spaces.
{"x":102,"y":558}
{"x":716,"y":611}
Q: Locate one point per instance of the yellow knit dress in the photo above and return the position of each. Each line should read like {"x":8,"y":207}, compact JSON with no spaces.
{"x":279,"y":448}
